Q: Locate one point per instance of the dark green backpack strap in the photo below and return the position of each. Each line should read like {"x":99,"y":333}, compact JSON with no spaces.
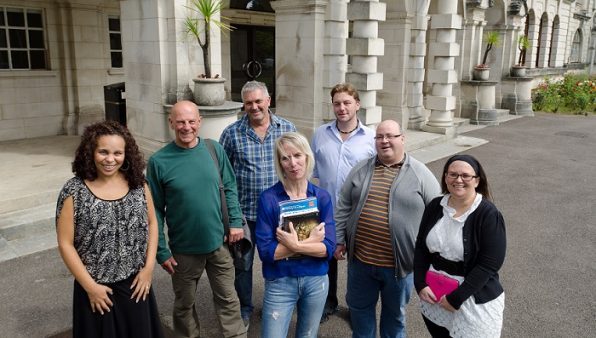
{"x":222,"y":195}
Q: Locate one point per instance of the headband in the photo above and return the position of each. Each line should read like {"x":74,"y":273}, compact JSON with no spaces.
{"x":466,"y":158}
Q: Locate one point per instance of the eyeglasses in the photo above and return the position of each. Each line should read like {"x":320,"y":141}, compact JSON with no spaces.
{"x":464,"y":177}
{"x":389,"y":137}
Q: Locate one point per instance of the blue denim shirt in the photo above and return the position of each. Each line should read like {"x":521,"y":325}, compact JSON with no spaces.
{"x":253,"y":159}
{"x":267,"y":224}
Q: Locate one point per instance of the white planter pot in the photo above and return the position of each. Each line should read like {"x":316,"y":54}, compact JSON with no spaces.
{"x":517,"y":71}
{"x":209,"y":92}
{"x":480,"y":74}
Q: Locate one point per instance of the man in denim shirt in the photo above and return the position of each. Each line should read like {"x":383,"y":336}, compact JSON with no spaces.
{"x":249,"y":143}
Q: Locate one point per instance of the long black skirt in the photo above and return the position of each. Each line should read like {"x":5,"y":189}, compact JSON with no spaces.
{"x":125,"y":319}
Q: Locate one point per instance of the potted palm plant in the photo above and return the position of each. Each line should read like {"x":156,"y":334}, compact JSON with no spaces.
{"x":481,"y":71}
{"x":519,"y":69}
{"x":209,"y":90}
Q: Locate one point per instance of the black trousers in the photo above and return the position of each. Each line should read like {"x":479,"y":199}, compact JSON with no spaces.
{"x":436,"y":331}
{"x":332,"y":302}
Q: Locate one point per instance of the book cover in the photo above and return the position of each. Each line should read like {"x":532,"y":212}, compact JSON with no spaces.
{"x":304,"y":215}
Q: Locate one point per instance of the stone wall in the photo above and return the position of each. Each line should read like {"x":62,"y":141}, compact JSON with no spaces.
{"x":69,"y":94}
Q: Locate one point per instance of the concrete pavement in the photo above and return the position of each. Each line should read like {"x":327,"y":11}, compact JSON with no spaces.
{"x":540,"y":170}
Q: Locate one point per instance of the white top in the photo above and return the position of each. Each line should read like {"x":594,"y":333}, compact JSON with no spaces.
{"x":471,"y":320}
{"x":446,"y":236}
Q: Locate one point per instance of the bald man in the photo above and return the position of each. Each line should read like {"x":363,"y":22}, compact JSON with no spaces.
{"x":377,"y":217}
{"x":184,"y":182}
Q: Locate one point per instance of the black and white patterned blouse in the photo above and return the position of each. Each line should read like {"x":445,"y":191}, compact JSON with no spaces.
{"x":110,"y":236}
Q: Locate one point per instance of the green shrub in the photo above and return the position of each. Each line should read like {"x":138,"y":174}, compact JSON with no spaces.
{"x":572,"y":94}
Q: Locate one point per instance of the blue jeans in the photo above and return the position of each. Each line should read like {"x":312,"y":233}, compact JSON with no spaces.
{"x":281,"y":294}
{"x":243,"y":279}
{"x":365,"y":282}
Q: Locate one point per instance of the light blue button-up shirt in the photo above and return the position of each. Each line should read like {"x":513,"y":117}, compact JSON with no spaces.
{"x":335,"y":158}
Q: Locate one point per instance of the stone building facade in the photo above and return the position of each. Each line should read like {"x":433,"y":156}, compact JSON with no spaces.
{"x":407,"y":58}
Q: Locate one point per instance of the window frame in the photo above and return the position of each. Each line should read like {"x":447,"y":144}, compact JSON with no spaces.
{"x":8,"y":49}
{"x":576,"y":47}
{"x":111,"y":49}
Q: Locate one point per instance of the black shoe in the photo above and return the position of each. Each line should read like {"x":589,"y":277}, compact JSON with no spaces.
{"x":330,"y":310}
{"x":324,"y":318}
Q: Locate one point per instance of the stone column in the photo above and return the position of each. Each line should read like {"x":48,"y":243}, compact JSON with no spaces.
{"x":416,"y":69}
{"x":470,"y":49}
{"x":442,"y":75}
{"x":150,"y":64}
{"x":364,"y":47}
{"x":299,"y":50}
{"x":336,"y":60}
{"x":81,"y":50}
{"x":160,"y":62}
{"x":472,"y":44}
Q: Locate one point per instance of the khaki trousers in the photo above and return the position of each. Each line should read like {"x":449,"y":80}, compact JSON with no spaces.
{"x":220,"y":271}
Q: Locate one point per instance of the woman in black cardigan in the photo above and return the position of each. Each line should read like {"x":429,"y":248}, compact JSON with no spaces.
{"x":459,"y":251}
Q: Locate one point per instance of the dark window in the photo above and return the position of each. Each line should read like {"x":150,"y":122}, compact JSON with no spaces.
{"x":20,"y":59}
{"x":22,"y":39}
{"x":16,"y":17}
{"x":114,"y":24}
{"x":116,"y":59}
{"x":34,"y":20}
{"x":18,"y":38}
{"x":36,"y":39}
{"x":4,"y":64}
{"x":38,"y":59}
{"x":3,"y":43}
{"x":115,"y":41}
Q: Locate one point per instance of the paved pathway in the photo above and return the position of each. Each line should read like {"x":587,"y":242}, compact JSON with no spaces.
{"x":541,"y":170}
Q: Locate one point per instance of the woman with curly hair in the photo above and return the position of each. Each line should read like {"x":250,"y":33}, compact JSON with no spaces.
{"x":107,"y":236}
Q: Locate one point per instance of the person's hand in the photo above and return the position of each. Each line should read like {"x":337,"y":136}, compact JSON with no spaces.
{"x":141,"y":284}
{"x":340,"y":252}
{"x":427,"y":295}
{"x":445,"y":305}
{"x":99,"y":299}
{"x":288,"y":239}
{"x":236,"y":234}
{"x":317,"y":234}
{"x":169,"y":265}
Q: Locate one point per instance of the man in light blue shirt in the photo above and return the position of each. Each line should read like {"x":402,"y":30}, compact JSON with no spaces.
{"x":338,"y":146}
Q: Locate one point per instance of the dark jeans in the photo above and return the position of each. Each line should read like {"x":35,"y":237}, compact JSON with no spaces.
{"x":243,"y":280}
{"x":365,"y":284}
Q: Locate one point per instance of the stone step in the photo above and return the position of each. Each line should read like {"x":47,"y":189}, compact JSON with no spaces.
{"x":458,"y":121}
{"x":502,"y":113}
{"x":22,"y":202}
{"x":27,"y":231}
{"x":446,"y":148}
{"x":25,"y":222}
{"x":27,"y":245}
{"x":418,"y":139}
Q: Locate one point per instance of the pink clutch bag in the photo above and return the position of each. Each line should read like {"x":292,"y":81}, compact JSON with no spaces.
{"x":440,"y":284}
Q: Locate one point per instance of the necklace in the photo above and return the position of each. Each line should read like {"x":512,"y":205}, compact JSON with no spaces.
{"x":346,"y":132}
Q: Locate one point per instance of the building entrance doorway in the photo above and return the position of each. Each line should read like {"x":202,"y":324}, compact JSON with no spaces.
{"x":252,"y":58}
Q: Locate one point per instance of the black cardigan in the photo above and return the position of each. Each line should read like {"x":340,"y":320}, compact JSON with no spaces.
{"x":484,"y":252}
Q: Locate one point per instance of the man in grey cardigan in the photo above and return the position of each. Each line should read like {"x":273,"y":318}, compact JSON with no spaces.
{"x":377,"y":218}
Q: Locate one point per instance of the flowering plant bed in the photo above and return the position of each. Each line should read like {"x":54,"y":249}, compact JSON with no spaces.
{"x":574,"y":94}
